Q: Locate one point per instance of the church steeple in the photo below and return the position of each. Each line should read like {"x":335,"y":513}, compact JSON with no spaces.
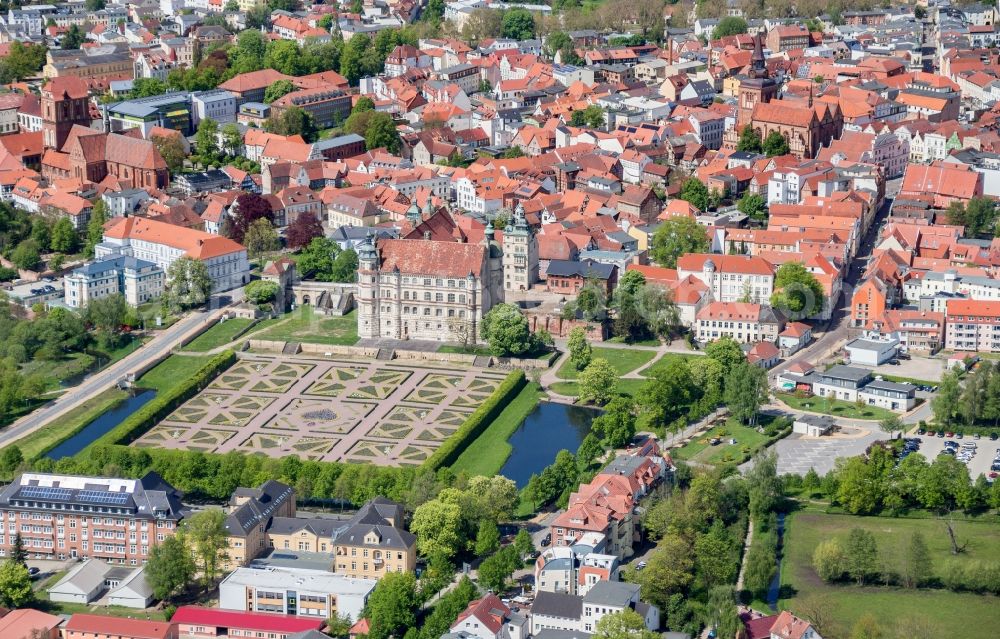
{"x":758,"y":65}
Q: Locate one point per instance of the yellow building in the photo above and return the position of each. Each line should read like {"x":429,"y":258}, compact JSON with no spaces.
{"x":250,"y":515}
{"x":374,"y":542}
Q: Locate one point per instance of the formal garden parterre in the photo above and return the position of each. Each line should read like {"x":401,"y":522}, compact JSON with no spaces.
{"x":359,"y":411}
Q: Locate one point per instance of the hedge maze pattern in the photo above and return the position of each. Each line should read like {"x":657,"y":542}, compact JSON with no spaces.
{"x":357,"y":411}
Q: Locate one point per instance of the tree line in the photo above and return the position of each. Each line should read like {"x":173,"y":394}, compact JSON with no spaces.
{"x":971,"y":400}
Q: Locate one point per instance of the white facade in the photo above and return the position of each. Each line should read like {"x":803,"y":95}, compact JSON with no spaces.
{"x":219,"y":105}
{"x":299,"y":591}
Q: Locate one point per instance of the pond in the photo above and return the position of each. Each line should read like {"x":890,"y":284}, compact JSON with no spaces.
{"x":549,"y":428}
{"x":100,"y":426}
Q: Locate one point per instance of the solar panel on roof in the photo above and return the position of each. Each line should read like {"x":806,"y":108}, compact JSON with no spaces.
{"x":44,"y":492}
{"x":101,"y":497}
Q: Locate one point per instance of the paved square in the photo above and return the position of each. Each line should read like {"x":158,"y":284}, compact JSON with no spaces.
{"x":384,"y":413}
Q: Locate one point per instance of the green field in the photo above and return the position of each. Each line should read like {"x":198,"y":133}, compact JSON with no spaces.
{"x":303,"y":325}
{"x":487,"y":454}
{"x":464,"y":350}
{"x":623,"y":360}
{"x":700,"y":450}
{"x":966,"y":615}
{"x":172,"y":370}
{"x":835,"y":407}
{"x":219,"y":335}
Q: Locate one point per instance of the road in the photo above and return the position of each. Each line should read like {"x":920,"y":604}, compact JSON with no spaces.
{"x":830,"y":338}
{"x":164,"y":341}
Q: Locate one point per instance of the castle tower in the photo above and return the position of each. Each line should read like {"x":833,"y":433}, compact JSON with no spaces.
{"x":520,"y":253}
{"x":64,"y":102}
{"x":368,"y":288}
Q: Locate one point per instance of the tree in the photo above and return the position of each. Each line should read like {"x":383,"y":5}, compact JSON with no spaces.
{"x":206,"y":533}
{"x":261,"y":238}
{"x":232,"y":139}
{"x":25,"y":255}
{"x":829,"y":560}
{"x":18,"y":554}
{"x":917,"y":568}
{"x":15,"y":585}
{"x":763,"y":485}
{"x":598,"y":382}
{"x":73,"y":38}
{"x":752,"y":205}
{"x":669,"y":571}
{"x":797,"y":292}
{"x":890,"y":425}
{"x":617,"y":425}
{"x":381,"y":133}
{"x":494,"y":498}
{"x":946,"y":404}
{"x":22,"y":60}
{"x":205,"y":143}
{"x":716,"y":555}
{"x":438,"y":527}
{"x":580,"y":351}
{"x":248,"y":54}
{"x":775,"y":144}
{"x":250,"y":207}
{"x":505,"y":329}
{"x":278,"y":89}
{"x":95,"y":227}
{"x":978,"y":216}
{"x":41,"y":233}
{"x":678,"y":236}
{"x":694,"y":192}
{"x":498,"y":567}
{"x":283,"y":56}
{"x":293,"y":121}
{"x":746,"y":392}
{"x":729,"y":26}
{"x":261,"y":291}
{"x":523,"y":542}
{"x":64,"y":236}
{"x":392,"y":606}
{"x":107,"y":315}
{"x":303,"y":230}
{"x":518,"y":24}
{"x":592,"y":116}
{"x":861,"y":554}
{"x":345,"y":266}
{"x":627,"y":624}
{"x":188,"y":284}
{"x":172,"y":150}
{"x":11,"y":459}
{"x":170,"y":567}
{"x":487,"y":538}
{"x":147,"y":87}
{"x":339,"y":625}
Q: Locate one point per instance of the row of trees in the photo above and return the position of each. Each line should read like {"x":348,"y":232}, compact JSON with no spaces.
{"x":640,"y":310}
{"x":969,"y":402}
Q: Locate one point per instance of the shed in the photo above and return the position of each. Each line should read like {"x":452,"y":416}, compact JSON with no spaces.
{"x":813,"y":425}
{"x":133,"y":591}
{"x":82,"y":584}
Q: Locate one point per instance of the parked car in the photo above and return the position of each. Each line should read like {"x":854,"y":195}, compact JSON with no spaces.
{"x":994,"y":437}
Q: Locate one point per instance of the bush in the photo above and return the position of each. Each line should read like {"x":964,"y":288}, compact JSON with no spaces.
{"x":136,"y":424}
{"x":477,"y":422}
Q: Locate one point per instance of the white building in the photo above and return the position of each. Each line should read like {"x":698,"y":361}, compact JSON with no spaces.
{"x":731,"y":278}
{"x":218,"y":104}
{"x":137,"y":280}
{"x":558,"y":611}
{"x":294,"y":591}
{"x":163,"y":244}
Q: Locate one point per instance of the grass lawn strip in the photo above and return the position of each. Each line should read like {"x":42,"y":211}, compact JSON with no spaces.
{"x":307,"y":326}
{"x":488,"y":453}
{"x":623,"y":360}
{"x":48,"y":436}
{"x":835,"y":407}
{"x":172,"y":371}
{"x":219,"y":335}
{"x":948,"y":610}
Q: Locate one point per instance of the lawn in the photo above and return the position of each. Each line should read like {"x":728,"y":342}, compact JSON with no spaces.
{"x":58,"y":608}
{"x":54,"y":371}
{"x":463,"y":350}
{"x":623,"y":360}
{"x":172,"y":370}
{"x":700,"y":450}
{"x":303,"y":325}
{"x":835,"y":407}
{"x":54,"y":432}
{"x":488,"y":453}
{"x":630,"y":386}
{"x":946,"y":610}
{"x":220,"y":334}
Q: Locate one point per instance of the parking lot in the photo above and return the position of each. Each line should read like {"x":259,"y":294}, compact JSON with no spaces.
{"x":931,"y":447}
{"x":928,"y":369}
{"x":797,"y":454}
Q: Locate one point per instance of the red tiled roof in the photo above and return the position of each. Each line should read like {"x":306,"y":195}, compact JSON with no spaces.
{"x":120,"y":626}
{"x":245,"y":620}
{"x":432,"y":257}
{"x":196,"y":244}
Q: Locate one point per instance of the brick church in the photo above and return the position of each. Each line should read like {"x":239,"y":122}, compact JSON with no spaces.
{"x":806,"y":126}
{"x":74,"y":150}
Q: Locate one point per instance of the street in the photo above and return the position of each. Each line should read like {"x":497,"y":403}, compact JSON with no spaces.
{"x":163,"y":342}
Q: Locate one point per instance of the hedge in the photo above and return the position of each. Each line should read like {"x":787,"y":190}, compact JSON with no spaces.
{"x":136,"y":424}
{"x":477,"y":422}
